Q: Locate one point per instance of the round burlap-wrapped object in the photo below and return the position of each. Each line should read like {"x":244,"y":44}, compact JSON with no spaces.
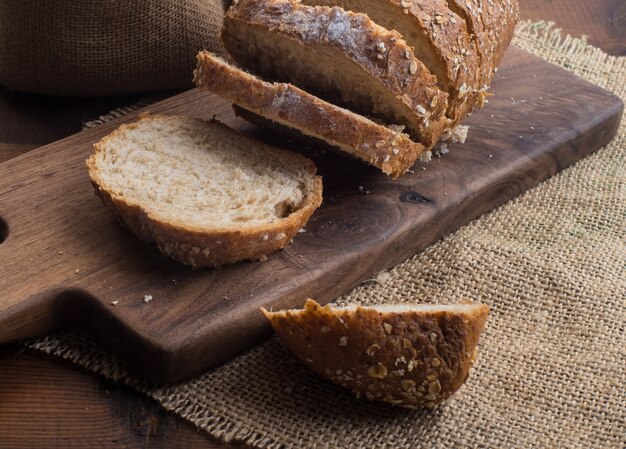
{"x":105,"y":47}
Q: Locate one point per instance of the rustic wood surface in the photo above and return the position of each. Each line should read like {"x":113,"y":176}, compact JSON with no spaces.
{"x":37,"y":393}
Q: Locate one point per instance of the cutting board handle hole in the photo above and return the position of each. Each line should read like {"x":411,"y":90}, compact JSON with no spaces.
{"x":4,"y":230}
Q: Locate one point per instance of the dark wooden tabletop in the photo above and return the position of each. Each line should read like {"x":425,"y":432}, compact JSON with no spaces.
{"x":49,"y":403}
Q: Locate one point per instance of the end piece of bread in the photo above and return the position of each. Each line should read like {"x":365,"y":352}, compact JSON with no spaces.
{"x":391,"y":151}
{"x":406,"y":355}
{"x":205,"y":194}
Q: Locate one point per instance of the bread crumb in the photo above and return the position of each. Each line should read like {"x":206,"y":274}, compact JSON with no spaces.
{"x":147,"y":298}
{"x":413,"y":68}
{"x":114,"y":303}
{"x":343,"y":341}
{"x":76,"y":271}
{"x":388,"y":327}
{"x":458,"y":134}
{"x":262,"y":258}
{"x":325,"y":329}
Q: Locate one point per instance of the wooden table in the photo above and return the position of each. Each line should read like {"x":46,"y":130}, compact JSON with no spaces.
{"x":46,"y":402}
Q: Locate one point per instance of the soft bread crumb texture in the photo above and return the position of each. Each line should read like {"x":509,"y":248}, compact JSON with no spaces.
{"x":406,"y":355}
{"x":196,"y":174}
{"x":204,"y":193}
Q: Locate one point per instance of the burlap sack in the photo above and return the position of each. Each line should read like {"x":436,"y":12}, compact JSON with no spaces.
{"x":104,"y":47}
{"x":551,"y":371}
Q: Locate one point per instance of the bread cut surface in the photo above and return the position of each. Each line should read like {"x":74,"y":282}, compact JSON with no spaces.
{"x":204,"y":193}
{"x":439,"y":39}
{"x":339,"y":56}
{"x":391,"y":151}
{"x":406,"y":355}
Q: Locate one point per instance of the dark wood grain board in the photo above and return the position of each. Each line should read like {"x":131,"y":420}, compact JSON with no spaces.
{"x":65,"y":260}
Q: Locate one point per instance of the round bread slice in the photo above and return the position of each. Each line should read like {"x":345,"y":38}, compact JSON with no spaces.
{"x":406,"y":355}
{"x":204,"y":193}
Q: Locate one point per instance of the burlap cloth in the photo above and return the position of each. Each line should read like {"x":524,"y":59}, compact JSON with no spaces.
{"x":551,"y":373}
{"x":112,"y":47}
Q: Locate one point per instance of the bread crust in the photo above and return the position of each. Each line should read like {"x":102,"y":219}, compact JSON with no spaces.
{"x":491,"y":24}
{"x":380,"y":54}
{"x":390,"y":151}
{"x":206,"y":246}
{"x":407,"y":358}
{"x":448,"y":39}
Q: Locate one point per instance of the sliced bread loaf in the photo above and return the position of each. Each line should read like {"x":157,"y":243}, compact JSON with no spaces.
{"x":439,"y":38}
{"x":491,"y":24}
{"x":406,"y":355}
{"x":204,"y":193}
{"x":341,"y":57}
{"x":391,"y":151}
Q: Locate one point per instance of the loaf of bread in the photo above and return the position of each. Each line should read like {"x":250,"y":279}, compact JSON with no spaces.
{"x":205,"y":194}
{"x":439,"y":38}
{"x":414,"y":66}
{"x":340,"y":56}
{"x":460,"y":42}
{"x":406,"y":355}
{"x":391,"y":151}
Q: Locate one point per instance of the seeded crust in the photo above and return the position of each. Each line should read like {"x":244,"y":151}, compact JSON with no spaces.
{"x":409,"y":358}
{"x":440,"y":40}
{"x":207,"y":246}
{"x":491,"y":24}
{"x":380,"y":55}
{"x":390,"y":151}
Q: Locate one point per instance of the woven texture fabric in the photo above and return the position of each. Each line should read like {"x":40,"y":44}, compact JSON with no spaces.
{"x":112,"y":47}
{"x":551,"y":371}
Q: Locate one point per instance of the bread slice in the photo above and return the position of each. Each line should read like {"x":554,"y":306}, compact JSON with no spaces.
{"x":391,"y":151}
{"x":491,"y":24}
{"x":341,"y":57}
{"x":406,"y":355}
{"x":439,"y":38}
{"x":204,"y":193}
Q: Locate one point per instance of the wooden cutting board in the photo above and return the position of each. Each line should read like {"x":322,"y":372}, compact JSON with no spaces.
{"x":64,"y":260}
